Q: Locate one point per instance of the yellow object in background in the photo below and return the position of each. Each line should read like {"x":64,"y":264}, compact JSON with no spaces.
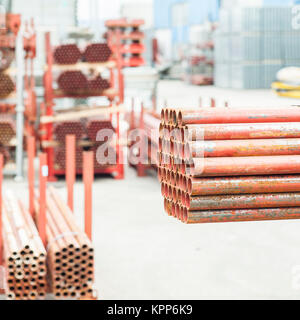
{"x":286,"y":90}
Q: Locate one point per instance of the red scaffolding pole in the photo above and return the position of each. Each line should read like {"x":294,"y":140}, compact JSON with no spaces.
{"x":31,"y":156}
{"x":70,"y":168}
{"x":88,"y":178}
{"x":41,"y":223}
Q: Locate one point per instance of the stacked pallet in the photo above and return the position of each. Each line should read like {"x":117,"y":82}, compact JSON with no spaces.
{"x":88,"y":138}
{"x":221,"y":165}
{"x":132,"y":37}
{"x":70,"y":256}
{"x":24,"y":254}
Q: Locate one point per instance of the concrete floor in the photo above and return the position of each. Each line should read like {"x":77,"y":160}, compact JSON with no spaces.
{"x":141,"y":253}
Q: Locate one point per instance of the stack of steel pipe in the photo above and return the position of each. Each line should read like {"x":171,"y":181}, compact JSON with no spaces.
{"x":7,"y":129}
{"x":7,"y":85}
{"x":7,"y":57}
{"x":72,"y":81}
{"x":97,"y":52}
{"x":151,"y":126}
{"x":94,"y":125}
{"x":70,"y":255}
{"x":74,"y":127}
{"x":60,"y":155}
{"x":98,"y":84}
{"x":222,"y":165}
{"x":61,"y":130}
{"x":24,"y":253}
{"x":149,"y":121}
{"x":67,"y":54}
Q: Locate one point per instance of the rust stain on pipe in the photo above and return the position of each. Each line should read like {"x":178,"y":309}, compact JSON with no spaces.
{"x":246,"y":201}
{"x":241,"y":215}
{"x":238,"y":131}
{"x":242,"y":148}
{"x":243,"y":185}
{"x":234,"y":166}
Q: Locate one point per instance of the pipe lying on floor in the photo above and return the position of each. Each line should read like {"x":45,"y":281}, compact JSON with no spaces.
{"x":70,"y":253}
{"x":24,"y":253}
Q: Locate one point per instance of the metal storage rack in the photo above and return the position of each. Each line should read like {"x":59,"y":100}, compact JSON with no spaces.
{"x":114,"y":94}
{"x":17,"y":104}
{"x":131,"y":37}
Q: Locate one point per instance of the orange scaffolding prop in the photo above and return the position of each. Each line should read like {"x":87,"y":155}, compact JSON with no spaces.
{"x":41,"y":223}
{"x":1,"y":180}
{"x":88,"y":178}
{"x":31,"y":156}
{"x":70,"y":168}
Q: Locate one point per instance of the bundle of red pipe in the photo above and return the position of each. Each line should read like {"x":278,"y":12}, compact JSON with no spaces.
{"x":7,"y":85}
{"x":71,"y":54}
{"x":24,"y":253}
{"x":76,"y":81}
{"x":222,"y":165}
{"x":70,"y":254}
{"x":84,"y":131}
{"x":150,"y":123}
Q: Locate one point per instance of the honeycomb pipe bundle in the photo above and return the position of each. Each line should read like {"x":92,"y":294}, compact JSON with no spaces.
{"x":98,"y":84}
{"x":72,"y":81}
{"x":7,"y":129}
{"x":96,"y":124}
{"x":24,"y":253}
{"x":70,"y":255}
{"x":97,"y":52}
{"x":225,"y":165}
{"x":5,"y":152}
{"x":67,"y":54}
{"x":7,"y":85}
{"x":62,"y":129}
{"x":7,"y":57}
{"x":60,"y":157}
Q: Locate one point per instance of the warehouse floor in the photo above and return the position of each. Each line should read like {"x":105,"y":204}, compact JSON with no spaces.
{"x":141,"y":253}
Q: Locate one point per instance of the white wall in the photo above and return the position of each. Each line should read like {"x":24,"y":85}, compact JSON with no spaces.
{"x":57,"y":16}
{"x":241,"y":3}
{"x":139,"y":9}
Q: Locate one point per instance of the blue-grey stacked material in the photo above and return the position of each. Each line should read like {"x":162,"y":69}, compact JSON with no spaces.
{"x":253,"y":44}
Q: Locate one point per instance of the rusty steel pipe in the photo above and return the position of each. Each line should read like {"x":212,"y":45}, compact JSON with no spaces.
{"x":242,"y":185}
{"x":245,"y":201}
{"x":234,"y":166}
{"x":224,"y":115}
{"x":240,"y":215}
{"x":241,"y":148}
{"x":241,"y":131}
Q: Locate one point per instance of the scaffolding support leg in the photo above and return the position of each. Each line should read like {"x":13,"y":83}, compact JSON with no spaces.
{"x":88,"y":178}
{"x":20,"y":107}
{"x":43,"y":185}
{"x":141,"y":169}
{"x":70,"y":168}
{"x":31,"y":156}
{"x":1,"y":181}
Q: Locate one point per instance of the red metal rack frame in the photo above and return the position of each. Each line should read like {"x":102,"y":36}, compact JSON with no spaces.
{"x":9,"y":40}
{"x":115,"y":97}
{"x":141,"y":167}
